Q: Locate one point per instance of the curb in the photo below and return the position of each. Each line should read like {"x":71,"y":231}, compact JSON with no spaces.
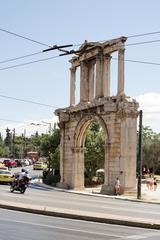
{"x":121,"y":197}
{"x":107,"y":220}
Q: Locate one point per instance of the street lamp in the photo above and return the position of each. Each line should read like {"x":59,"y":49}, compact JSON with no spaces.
{"x":41,"y":124}
{"x":49,"y":126}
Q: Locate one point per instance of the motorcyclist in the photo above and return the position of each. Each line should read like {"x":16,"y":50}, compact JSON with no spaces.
{"x":21,"y":182}
{"x":23,"y":176}
{"x":26,"y":177}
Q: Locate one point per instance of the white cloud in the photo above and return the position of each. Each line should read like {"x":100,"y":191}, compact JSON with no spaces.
{"x":150,"y":105}
{"x":30,"y":127}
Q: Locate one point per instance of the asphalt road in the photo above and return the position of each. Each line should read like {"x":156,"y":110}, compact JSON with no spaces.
{"x":16,"y":225}
{"x":41,"y":195}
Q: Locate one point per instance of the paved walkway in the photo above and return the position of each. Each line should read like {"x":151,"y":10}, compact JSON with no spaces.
{"x":147,"y":195}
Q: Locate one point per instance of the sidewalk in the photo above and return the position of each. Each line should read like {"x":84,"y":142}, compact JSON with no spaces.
{"x":146,"y":195}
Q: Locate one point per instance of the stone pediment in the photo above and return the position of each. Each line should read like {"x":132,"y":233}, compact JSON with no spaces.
{"x":88,"y":46}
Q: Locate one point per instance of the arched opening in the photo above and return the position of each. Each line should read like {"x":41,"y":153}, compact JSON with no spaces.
{"x":91,"y":156}
{"x":94,"y":156}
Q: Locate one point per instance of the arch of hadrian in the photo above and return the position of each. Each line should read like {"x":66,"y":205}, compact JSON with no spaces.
{"x":116,"y":114}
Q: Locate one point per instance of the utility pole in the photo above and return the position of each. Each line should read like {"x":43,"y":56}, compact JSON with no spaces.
{"x":139,"y":160}
{"x":24,"y":149}
{"x":13,"y":142}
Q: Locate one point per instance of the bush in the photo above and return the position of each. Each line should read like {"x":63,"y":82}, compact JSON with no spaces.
{"x":51,"y":178}
{"x":157,"y":171}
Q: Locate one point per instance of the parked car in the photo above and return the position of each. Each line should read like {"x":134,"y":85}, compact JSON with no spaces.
{"x":3,"y":168}
{"x":39,"y":166}
{"x":5,"y":176}
{"x":9,"y":163}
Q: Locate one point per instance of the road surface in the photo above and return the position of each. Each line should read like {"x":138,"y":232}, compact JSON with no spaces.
{"x":16,"y":226}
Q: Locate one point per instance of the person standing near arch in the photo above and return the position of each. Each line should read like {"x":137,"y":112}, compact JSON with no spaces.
{"x":117,"y":186}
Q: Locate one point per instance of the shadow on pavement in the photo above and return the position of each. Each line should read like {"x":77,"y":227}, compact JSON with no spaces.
{"x":40,"y":186}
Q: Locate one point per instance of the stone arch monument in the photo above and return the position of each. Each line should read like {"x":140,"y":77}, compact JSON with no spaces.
{"x":116,"y":114}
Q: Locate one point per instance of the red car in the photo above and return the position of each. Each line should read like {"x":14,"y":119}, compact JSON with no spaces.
{"x":9,"y":163}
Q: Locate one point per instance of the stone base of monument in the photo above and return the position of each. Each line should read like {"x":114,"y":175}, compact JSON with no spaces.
{"x":110,"y":190}
{"x":62,"y":185}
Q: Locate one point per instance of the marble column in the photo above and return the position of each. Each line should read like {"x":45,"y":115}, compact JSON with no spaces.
{"x":106,"y":76}
{"x":91,"y":79}
{"x":84,"y":83}
{"x":72,"y":86}
{"x":121,"y":72}
{"x":99,"y":77}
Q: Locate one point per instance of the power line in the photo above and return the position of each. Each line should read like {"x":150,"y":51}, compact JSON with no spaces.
{"x":140,"y":43}
{"x":16,"y":121}
{"x":46,"y":59}
{"x":26,"y":38}
{"x":28,"y":63}
{"x":9,"y":120}
{"x":75,"y":45}
{"x":17,"y":58}
{"x":137,"y":61}
{"x":55,"y":47}
{"x":143,"y":34}
{"x":44,"y":44}
{"x":28,"y":101}
{"x":71,"y":52}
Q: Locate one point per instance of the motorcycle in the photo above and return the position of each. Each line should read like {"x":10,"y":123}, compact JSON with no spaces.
{"x":20,"y":186}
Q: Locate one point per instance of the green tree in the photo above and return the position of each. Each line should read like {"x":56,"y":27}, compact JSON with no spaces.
{"x":94,"y":154}
{"x":8,"y":138}
{"x":49,"y":148}
{"x":150,"y":149}
{"x":4,"y":150}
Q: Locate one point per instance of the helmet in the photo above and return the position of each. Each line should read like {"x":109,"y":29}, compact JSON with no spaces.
{"x":23,"y":170}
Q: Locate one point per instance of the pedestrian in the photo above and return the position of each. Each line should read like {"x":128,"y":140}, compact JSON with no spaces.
{"x":151,"y":182}
{"x":117,"y":186}
{"x":155,"y":183}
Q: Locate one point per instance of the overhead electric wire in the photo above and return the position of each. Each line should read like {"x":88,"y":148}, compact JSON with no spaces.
{"x":137,"y":61}
{"x":28,"y":63}
{"x":44,"y":44}
{"x":45,"y":59}
{"x":16,"y":121}
{"x":26,"y":38}
{"x":37,"y":53}
{"x":140,"y":43}
{"x":17,"y":58}
{"x":28,"y":101}
{"x":9,"y":120}
{"x":143,"y":34}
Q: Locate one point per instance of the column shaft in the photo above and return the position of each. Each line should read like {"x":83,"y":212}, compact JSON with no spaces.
{"x":72,"y":86}
{"x":91,"y":80}
{"x":84,"y":84}
{"x":106,"y":76}
{"x":121,"y":72}
{"x":99,"y":77}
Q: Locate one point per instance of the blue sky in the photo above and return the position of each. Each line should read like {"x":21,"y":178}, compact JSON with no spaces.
{"x":71,"y":22}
